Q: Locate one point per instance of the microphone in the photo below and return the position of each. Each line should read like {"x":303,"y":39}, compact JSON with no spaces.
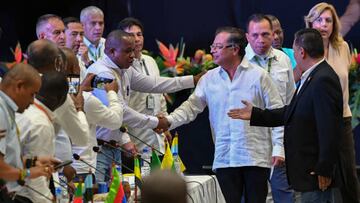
{"x":97,"y":150}
{"x":22,"y":183}
{"x":77,"y":157}
{"x":111,"y":145}
{"x":124,"y":130}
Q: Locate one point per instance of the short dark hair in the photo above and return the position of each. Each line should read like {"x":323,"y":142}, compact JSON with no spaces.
{"x":69,"y":20}
{"x":257,"y":17}
{"x":114,"y":39}
{"x":128,"y":22}
{"x":311,"y":41}
{"x":237,"y":37}
{"x":54,"y":87}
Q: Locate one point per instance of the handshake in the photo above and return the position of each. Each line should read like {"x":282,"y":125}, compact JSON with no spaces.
{"x":163,"y":124}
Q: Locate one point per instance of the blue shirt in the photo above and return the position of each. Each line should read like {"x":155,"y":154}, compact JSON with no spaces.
{"x":10,"y":145}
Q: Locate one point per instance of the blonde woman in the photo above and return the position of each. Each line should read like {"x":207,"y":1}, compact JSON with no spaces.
{"x":324,"y":18}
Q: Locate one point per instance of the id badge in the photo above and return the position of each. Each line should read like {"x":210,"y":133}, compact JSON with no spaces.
{"x":150,"y":102}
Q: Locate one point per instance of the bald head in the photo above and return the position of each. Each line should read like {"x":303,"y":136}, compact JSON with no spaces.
{"x":120,"y":47}
{"x":45,"y":56}
{"x":21,"y":83}
{"x":116,"y":38}
{"x":163,"y":186}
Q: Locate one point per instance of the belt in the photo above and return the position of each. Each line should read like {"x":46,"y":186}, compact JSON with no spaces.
{"x":112,"y":143}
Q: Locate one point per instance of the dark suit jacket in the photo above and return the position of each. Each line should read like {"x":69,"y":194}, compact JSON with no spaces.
{"x":313,"y":124}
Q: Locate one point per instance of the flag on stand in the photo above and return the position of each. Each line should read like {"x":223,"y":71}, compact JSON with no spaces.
{"x":116,"y":191}
{"x":155,"y":161}
{"x":137,"y":173}
{"x":78,"y":198}
{"x":175,"y":149}
{"x":168,"y":160}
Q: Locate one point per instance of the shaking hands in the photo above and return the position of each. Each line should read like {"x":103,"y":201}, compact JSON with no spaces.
{"x":163,"y":124}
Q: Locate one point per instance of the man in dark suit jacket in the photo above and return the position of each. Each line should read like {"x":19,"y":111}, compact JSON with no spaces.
{"x":313,"y":121}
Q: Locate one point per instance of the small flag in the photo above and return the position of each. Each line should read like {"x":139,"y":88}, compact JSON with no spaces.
{"x":155,"y":161}
{"x":168,"y":160}
{"x":78,"y":194}
{"x":88,"y":196}
{"x":175,"y":149}
{"x":138,"y":180}
{"x":116,"y":191}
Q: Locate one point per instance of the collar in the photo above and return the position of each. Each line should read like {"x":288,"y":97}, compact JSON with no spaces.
{"x":308,"y":71}
{"x":251,"y":55}
{"x":49,"y":114}
{"x":9,"y":101}
{"x":89,"y":44}
{"x":244,"y":64}
{"x":109,"y":63}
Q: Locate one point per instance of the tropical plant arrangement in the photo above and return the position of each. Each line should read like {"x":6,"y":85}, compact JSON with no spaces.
{"x":354,"y":87}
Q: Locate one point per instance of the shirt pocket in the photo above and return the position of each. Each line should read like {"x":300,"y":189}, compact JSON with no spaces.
{"x":281,"y":78}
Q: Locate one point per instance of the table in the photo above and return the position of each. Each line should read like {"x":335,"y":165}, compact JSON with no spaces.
{"x":203,"y":189}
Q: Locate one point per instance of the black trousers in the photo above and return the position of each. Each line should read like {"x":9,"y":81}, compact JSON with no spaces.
{"x":350,"y":189}
{"x":248,"y":181}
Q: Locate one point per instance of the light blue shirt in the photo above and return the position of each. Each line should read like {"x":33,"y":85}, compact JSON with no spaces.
{"x":236,"y":142}
{"x":10,"y":145}
{"x":290,"y":53}
{"x":95,"y":53}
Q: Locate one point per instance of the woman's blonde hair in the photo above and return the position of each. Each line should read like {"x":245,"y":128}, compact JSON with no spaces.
{"x":315,"y":12}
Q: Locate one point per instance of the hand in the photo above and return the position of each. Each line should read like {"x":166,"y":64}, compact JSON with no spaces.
{"x":163,"y":124}
{"x":112,"y":86}
{"x":47,"y":160}
{"x":324,"y":182}
{"x":78,"y":100}
{"x":277,"y":161}
{"x":168,"y":136}
{"x":83,"y":52}
{"x":198,"y":76}
{"x":86,"y":83}
{"x":69,"y":172}
{"x":130,"y":147}
{"x":38,"y":171}
{"x":244,"y":113}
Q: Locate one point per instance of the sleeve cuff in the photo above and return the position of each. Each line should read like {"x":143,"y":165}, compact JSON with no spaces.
{"x":124,"y":139}
{"x":188,"y":81}
{"x":278,"y":151}
{"x":153,"y":122}
{"x":171,"y":121}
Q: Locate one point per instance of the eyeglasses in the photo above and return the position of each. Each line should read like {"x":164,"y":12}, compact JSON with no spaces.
{"x":221,"y":46}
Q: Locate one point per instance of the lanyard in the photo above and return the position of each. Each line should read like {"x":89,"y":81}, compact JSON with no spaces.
{"x":94,"y":55}
{"x":269,"y":63}
{"x":43,"y":110}
{"x":143,"y":64}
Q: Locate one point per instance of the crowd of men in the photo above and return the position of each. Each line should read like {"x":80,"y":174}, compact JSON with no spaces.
{"x":42,"y":124}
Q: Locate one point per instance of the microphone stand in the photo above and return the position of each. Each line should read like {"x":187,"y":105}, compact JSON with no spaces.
{"x":97,"y":150}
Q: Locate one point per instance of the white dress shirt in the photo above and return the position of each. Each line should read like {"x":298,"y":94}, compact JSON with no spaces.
{"x":98,"y":114}
{"x":37,"y":139}
{"x":72,"y":122}
{"x":139,"y":102}
{"x":128,"y":80}
{"x":236,"y":142}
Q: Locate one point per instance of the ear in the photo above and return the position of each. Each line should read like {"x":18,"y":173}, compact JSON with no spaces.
{"x":302,"y":52}
{"x":247,"y":36}
{"x":41,"y":35}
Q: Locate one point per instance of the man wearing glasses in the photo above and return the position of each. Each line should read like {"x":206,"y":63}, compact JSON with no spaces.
{"x":259,"y":52}
{"x":242,"y":153}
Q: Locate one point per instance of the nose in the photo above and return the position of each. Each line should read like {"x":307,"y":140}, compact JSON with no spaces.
{"x":79,"y":38}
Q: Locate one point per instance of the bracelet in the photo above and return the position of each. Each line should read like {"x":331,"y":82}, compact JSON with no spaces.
{"x":28,"y":163}
{"x":34,"y":161}
{"x":22,"y":175}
